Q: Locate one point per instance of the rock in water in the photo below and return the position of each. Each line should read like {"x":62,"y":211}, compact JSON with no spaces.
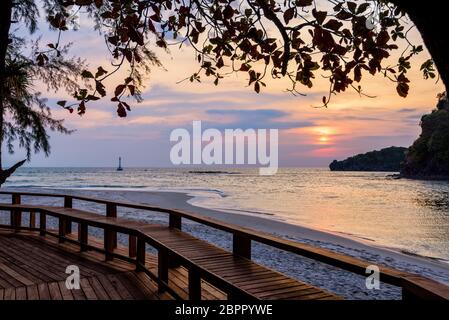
{"x":385,"y":160}
{"x":428,"y":157}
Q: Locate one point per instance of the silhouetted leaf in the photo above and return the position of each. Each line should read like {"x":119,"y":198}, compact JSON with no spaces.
{"x":92,"y":98}
{"x":289,"y":14}
{"x":100,"y":72}
{"x":320,"y":16}
{"x":87,"y":74}
{"x":403,"y":89}
{"x":121,"y":111}
{"x":303,"y":3}
{"x":119,"y":89}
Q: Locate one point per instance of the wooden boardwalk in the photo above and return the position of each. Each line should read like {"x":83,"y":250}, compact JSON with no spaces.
{"x":34,"y":258}
{"x":33,"y":268}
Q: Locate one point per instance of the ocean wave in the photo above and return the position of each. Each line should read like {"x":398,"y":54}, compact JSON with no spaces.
{"x":89,"y":186}
{"x":415,"y":254}
{"x":213,"y":172}
{"x":256,"y":212}
{"x":221,"y":193}
{"x":117,"y":186}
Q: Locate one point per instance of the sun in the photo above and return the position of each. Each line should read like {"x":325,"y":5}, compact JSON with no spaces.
{"x":324,"y":135}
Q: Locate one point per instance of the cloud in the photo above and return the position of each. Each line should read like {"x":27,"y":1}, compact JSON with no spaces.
{"x":256,"y":119}
{"x":408,"y":110}
{"x":260,"y":113}
{"x":362,"y":118}
{"x":146,"y":120}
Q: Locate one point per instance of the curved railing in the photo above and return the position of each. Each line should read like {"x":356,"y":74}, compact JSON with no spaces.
{"x":413,"y":286}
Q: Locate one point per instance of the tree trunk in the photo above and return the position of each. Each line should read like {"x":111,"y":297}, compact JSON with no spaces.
{"x":5,"y":174}
{"x":430,"y":19}
{"x":5,"y":25}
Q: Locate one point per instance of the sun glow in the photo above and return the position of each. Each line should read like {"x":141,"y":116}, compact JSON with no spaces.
{"x":323,"y":135}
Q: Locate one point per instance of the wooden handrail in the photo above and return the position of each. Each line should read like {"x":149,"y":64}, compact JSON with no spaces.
{"x":412,"y":285}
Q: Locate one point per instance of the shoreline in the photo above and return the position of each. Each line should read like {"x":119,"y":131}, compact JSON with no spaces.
{"x":341,"y":282}
{"x":267,"y":223}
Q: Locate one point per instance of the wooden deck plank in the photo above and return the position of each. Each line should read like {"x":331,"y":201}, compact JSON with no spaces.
{"x":134,"y":292}
{"x":15,"y":275}
{"x":10,"y":293}
{"x":121,"y":289}
{"x":109,"y":287}
{"x":313,"y":296}
{"x":150,"y":287}
{"x":63,"y":258}
{"x":87,"y":289}
{"x":279,"y":290}
{"x":238,"y":273}
{"x":290,"y":294}
{"x":44,"y":292}
{"x":11,"y":261}
{"x":268,"y":287}
{"x":21,"y":293}
{"x":65,"y":293}
{"x":98,"y":289}
{"x":55,"y":293}
{"x":32,"y":292}
{"x":247,"y":284}
{"x":6,"y":281}
{"x":230,"y":266}
{"x":26,"y":260}
{"x":47,"y":255}
{"x":78,"y":294}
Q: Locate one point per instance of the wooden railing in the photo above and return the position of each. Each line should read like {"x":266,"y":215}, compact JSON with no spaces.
{"x":413,"y":286}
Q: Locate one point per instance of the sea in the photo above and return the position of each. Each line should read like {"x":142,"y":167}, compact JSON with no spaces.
{"x":405,"y":215}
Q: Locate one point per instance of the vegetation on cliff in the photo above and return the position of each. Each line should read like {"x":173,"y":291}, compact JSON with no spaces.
{"x":386,"y":160}
{"x":428,"y":157}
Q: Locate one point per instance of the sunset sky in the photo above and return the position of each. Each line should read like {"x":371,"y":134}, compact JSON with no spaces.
{"x":309,"y":137}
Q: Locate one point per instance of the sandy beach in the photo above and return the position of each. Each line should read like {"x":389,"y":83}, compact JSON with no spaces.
{"x":335,"y":280}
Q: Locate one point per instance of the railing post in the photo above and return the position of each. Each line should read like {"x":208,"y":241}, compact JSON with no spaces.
{"x":132,"y":246}
{"x":42,"y":223}
{"x":241,"y":246}
{"x":16,"y":215}
{"x":109,"y":244}
{"x":235,"y":296}
{"x":408,"y":296}
{"x":194,"y":285}
{"x":111,"y":212}
{"x":62,"y":228}
{"x":83,"y":235}
{"x":141,"y":254}
{"x":79,"y":231}
{"x":32,"y":219}
{"x":175,"y":221}
{"x":68,"y":203}
{"x":162,"y":268}
{"x":410,"y":292}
